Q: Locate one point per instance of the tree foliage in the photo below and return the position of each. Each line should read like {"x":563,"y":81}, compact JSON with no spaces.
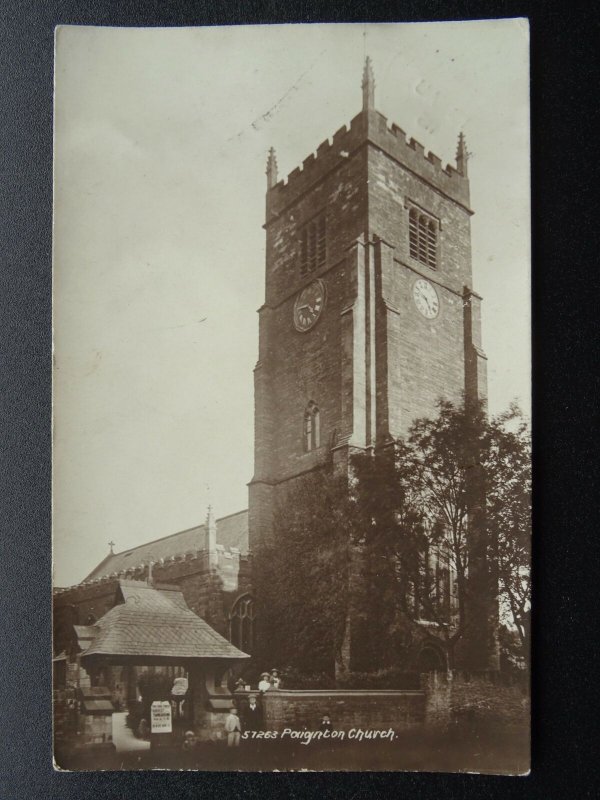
{"x":383,"y":544}
{"x":455,"y":462}
{"x":303,"y":574}
{"x":508,"y":495}
{"x":390,"y":537}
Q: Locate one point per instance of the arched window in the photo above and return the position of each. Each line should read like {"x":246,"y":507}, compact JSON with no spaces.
{"x":431,"y":659}
{"x":241,"y":623}
{"x":312,"y":428}
{"x":422,"y":238}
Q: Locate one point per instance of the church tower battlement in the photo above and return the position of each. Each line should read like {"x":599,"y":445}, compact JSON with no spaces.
{"x":392,"y":139}
{"x":370,"y":127}
{"x":370,"y":316}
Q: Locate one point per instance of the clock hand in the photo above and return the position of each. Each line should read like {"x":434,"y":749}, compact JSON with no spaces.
{"x":426,"y":299}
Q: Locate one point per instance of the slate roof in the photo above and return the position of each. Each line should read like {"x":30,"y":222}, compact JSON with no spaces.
{"x":85,"y":634}
{"x":232,"y":531}
{"x":62,"y":656}
{"x":155,"y":621}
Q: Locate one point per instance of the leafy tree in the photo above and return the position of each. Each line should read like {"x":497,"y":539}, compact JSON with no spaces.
{"x":456,"y":462}
{"x":381,"y":545}
{"x":303,"y":575}
{"x":389,"y":541}
{"x":508,"y":495}
{"x":441,"y":456}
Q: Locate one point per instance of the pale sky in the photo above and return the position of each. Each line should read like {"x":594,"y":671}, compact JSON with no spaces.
{"x":161,"y":137}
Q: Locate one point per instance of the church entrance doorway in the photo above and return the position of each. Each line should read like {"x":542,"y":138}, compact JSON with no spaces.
{"x":431,"y":660}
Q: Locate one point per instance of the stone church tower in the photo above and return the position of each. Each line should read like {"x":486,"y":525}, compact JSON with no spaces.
{"x":369,"y":314}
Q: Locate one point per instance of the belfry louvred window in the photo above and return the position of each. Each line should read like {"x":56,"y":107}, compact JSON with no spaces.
{"x":423,"y":238}
{"x":313,"y":245}
{"x":312,"y":428}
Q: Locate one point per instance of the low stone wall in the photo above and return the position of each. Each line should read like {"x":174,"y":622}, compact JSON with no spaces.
{"x":445,"y":698}
{"x":375,"y":709}
{"x":461,"y":696}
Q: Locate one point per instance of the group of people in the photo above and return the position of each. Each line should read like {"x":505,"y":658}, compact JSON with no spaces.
{"x":268,"y":680}
{"x":249,"y":719}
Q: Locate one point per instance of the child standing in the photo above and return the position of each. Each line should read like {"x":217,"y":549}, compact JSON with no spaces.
{"x":233,"y":728}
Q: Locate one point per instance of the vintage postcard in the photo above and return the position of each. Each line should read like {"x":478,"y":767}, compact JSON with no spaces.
{"x":291,"y":439}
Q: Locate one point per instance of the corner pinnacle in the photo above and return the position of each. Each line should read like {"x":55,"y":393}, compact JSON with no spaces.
{"x":271,"y":170}
{"x":368,"y":85}
{"x":462,"y":156}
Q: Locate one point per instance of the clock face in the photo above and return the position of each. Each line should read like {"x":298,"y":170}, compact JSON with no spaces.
{"x":426,"y":298}
{"x":309,"y":305}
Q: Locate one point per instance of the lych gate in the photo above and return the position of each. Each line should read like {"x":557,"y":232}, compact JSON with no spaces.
{"x":152,"y":626}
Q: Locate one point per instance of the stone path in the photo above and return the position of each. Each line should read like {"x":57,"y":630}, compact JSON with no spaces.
{"x":123,"y":738}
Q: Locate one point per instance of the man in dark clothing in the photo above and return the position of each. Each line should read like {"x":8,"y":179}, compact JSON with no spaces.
{"x":252,"y":717}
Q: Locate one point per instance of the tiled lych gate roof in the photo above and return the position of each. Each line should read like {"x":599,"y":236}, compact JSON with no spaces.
{"x":232,"y":531}
{"x":155,"y":621}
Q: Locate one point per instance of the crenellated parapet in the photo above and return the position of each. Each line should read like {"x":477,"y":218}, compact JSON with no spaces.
{"x":330,"y":154}
{"x":412,"y":155}
{"x":370,"y":127}
{"x":83,"y":592}
{"x":229,"y":562}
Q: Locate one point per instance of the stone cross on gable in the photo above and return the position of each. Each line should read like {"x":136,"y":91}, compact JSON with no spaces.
{"x":111,"y":545}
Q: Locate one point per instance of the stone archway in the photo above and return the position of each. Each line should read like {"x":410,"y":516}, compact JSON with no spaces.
{"x":431,"y":659}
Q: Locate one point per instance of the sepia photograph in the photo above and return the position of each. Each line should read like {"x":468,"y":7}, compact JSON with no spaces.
{"x":291,"y":443}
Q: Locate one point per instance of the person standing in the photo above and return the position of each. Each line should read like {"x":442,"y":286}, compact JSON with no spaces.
{"x":233,"y":728}
{"x":276,"y":682}
{"x":265,"y":682}
{"x":252,"y":716}
{"x":144,"y":729}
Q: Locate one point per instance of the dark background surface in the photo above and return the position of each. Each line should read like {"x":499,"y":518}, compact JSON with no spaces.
{"x":566,"y":388}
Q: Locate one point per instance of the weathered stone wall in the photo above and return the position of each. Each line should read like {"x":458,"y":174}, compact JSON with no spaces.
{"x":347,"y":709}
{"x":418,"y":360}
{"x":445,"y":698}
{"x":392,"y":191}
{"x":390,"y":138}
{"x":372,"y":363}
{"x":302,"y":367}
{"x":460,"y":696}
{"x":79,"y":604}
